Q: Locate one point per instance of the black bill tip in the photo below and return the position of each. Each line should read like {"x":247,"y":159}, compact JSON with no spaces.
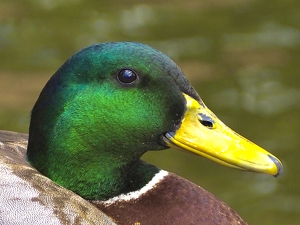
{"x":278,"y":165}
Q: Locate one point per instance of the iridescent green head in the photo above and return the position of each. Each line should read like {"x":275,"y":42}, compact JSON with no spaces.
{"x":101,"y":111}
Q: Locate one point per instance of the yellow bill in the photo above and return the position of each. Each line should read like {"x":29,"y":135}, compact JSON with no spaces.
{"x":201,"y":132}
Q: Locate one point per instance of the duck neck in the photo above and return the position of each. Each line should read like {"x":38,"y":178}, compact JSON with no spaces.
{"x":103,"y":181}
{"x":93,"y":178}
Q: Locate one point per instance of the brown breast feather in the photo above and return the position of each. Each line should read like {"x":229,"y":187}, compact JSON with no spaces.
{"x":176,"y":201}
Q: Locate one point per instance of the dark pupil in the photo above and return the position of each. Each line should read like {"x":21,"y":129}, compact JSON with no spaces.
{"x":126,"y":76}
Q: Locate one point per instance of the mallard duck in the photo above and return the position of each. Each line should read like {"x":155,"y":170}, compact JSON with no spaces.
{"x":97,"y":115}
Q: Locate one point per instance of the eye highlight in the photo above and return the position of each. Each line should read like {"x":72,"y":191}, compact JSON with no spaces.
{"x":127,"y":76}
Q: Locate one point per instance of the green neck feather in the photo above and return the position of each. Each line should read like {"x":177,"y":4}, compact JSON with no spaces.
{"x":88,"y":130}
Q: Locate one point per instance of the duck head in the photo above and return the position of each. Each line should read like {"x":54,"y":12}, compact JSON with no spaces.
{"x":109,"y":104}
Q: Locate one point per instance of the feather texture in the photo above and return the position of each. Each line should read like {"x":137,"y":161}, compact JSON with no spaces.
{"x":27,"y":197}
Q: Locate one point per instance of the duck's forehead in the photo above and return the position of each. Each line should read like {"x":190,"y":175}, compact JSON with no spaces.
{"x":134,"y":54}
{"x":105,"y":58}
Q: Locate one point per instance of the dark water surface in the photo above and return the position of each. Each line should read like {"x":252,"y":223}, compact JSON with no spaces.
{"x":243,"y":57}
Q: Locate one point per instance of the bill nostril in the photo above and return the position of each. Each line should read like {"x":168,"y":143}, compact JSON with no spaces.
{"x":206,"y":123}
{"x":205,"y":120}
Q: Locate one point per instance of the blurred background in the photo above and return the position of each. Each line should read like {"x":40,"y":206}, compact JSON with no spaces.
{"x":242,"y":56}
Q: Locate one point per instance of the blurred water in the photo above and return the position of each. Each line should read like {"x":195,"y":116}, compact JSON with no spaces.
{"x":242,"y":56}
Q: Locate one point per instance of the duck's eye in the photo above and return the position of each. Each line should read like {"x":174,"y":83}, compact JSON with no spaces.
{"x":126,"y":76}
{"x":206,"y":121}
